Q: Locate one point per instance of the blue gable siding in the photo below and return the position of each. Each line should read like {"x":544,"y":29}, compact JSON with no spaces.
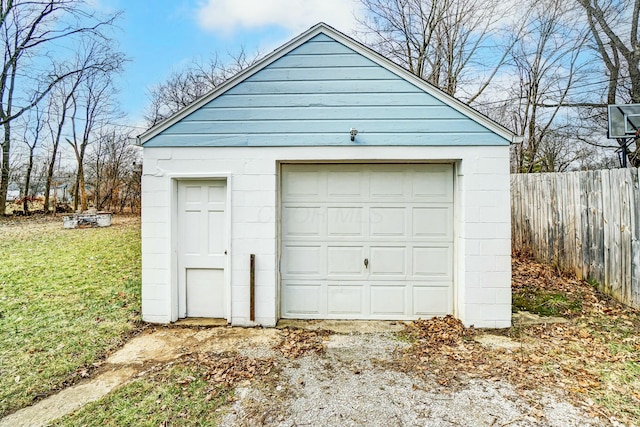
{"x":314,"y":95}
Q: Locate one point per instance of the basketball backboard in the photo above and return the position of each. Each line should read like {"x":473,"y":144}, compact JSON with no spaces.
{"x":624,"y":121}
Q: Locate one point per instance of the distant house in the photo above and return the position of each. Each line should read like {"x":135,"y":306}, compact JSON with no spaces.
{"x":362,"y":191}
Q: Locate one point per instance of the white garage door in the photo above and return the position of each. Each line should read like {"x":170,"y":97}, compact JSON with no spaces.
{"x":367,"y":241}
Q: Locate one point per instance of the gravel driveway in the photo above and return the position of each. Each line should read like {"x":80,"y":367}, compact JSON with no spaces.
{"x":354,"y":383}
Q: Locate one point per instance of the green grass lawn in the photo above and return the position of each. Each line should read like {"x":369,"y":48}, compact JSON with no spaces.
{"x":67,"y":297}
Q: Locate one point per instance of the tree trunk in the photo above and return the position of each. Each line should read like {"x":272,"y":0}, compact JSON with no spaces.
{"x":47,"y":186}
{"x":75,"y":193}
{"x":81,"y":181}
{"x":83,"y":191}
{"x":4,"y":174}
{"x":27,"y":182}
{"x":97,"y":193}
{"x":80,"y":193}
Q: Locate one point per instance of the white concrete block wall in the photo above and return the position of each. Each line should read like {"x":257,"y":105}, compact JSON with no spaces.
{"x":155,"y":249}
{"x":482,"y":227}
{"x":487,"y":225}
{"x":254,"y":232}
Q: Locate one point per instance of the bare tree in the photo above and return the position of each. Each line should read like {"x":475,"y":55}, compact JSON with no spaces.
{"x":187,"y":85}
{"x":114,"y":169}
{"x":58,"y":109}
{"x":32,"y":134}
{"x":92,"y":105}
{"x":547,"y":61}
{"x":445,"y":42}
{"x":82,"y":97}
{"x":30,"y":30}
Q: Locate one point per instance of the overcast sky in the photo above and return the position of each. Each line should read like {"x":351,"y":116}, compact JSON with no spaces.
{"x":164,"y":35}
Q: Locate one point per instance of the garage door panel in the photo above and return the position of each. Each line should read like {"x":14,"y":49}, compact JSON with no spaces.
{"x":432,"y":222}
{"x":387,"y":261}
{"x":345,"y":261}
{"x":344,"y":185}
{"x":301,"y":299}
{"x":388,"y":300}
{"x":387,"y":222}
{"x":387,"y":185}
{"x":301,"y":185}
{"x":345,"y":221}
{"x":431,"y":301}
{"x":303,"y":260}
{"x":301,"y":221}
{"x":433,"y":262}
{"x":435,"y":185}
{"x":345,"y":300}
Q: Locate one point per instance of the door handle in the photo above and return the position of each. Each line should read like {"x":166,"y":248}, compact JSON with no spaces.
{"x":366,"y":263}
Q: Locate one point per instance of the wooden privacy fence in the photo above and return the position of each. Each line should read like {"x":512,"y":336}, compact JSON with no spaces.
{"x":587,"y":223}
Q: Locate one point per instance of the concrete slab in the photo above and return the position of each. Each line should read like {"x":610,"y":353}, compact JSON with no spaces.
{"x":344,"y":326}
{"x":201,"y":321}
{"x":68,"y":400}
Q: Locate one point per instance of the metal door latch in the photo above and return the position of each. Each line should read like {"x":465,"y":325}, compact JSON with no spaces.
{"x":366,"y":263}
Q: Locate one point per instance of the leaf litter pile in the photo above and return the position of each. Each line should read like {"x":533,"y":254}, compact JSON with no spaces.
{"x":300,"y":342}
{"x":593,"y":358}
{"x":231,"y":368}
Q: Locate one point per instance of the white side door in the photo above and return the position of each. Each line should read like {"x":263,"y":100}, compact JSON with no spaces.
{"x":201,"y":248}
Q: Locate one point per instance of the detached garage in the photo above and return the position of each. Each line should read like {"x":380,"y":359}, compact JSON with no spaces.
{"x":326,"y":182}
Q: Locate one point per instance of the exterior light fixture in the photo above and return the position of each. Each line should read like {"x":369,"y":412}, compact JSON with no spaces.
{"x":353,"y":132}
